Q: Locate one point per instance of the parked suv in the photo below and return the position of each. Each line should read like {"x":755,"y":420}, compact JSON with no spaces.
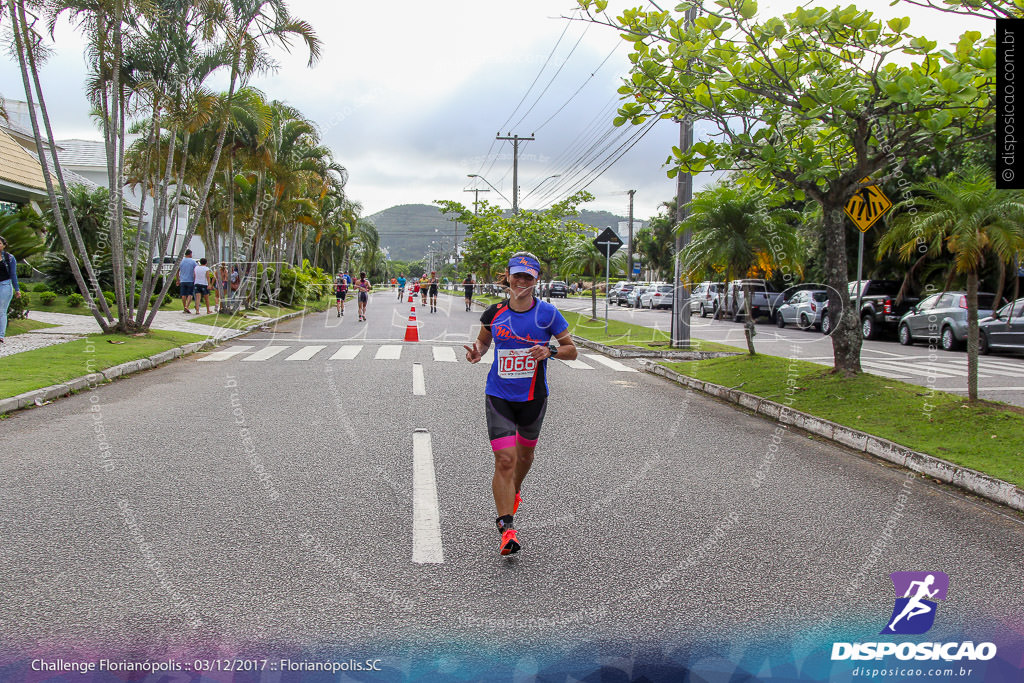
{"x":764,"y":299}
{"x":623,"y":292}
{"x":705,"y":298}
{"x":803,"y":309}
{"x":879,"y":310}
{"x":942,"y":315}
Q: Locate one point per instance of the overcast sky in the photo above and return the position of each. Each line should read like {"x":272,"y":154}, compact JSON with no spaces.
{"x":410,"y":95}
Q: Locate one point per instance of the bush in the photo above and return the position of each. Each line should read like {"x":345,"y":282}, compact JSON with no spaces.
{"x":75,"y":300}
{"x":24,"y":270}
{"x":40,"y":287}
{"x":47,"y":298}
{"x":152,"y":300}
{"x":19,"y":307}
{"x":110,"y":297}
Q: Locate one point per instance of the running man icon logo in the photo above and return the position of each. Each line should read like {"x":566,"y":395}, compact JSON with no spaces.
{"x":916,"y":593}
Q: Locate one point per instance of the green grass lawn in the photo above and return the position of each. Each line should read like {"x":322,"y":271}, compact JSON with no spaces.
{"x":988,"y":437}
{"x":627,"y":334}
{"x":59,"y":363}
{"x":25,"y":325}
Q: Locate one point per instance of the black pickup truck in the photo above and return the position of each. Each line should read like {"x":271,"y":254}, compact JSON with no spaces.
{"x":879,"y":311}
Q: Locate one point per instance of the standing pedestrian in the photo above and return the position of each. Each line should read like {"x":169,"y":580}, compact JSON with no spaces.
{"x":202,"y":276}
{"x":467,"y":285}
{"x":9,"y":288}
{"x":186,"y":278}
{"x":516,"y":394}
{"x":222,"y":281}
{"x":363,"y":287}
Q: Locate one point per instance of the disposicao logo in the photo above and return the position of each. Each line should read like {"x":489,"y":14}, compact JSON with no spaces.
{"x":916,"y":593}
{"x":914,"y":614}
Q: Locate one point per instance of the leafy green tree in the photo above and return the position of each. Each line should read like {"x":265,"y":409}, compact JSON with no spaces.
{"x":583,"y":257}
{"x":737,"y":232}
{"x":966,"y":217}
{"x":808,"y":104}
{"x":656,"y":244}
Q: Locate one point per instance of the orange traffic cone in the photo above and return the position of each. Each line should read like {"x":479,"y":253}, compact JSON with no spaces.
{"x":410,"y":297}
{"x":412,"y":330}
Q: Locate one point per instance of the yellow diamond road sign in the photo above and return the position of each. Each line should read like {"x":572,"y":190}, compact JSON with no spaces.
{"x":867,"y":206}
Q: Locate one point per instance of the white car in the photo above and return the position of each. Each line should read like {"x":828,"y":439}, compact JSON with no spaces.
{"x":657,"y":296}
{"x":803,"y":309}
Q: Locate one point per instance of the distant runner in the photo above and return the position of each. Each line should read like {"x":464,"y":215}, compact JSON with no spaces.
{"x":433,"y":292}
{"x":363,"y":287}
{"x":424,"y":286}
{"x":340,"y":294}
{"x":401,"y":286}
{"x":516,"y":392}
{"x":468,"y":284}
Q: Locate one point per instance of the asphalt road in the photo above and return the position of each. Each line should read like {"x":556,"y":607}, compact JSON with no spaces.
{"x":1000,"y":375}
{"x":228,"y":503}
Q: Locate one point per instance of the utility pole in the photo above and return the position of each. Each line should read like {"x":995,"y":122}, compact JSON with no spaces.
{"x":515,"y":168}
{"x":684,"y":193}
{"x":629,"y":265}
{"x":476,"y":200}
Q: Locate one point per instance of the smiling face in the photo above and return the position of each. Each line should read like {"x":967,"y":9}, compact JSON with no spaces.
{"x":521,"y":285}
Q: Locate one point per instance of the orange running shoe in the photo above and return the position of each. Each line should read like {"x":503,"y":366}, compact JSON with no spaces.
{"x":509,"y":543}
{"x":519,"y":499}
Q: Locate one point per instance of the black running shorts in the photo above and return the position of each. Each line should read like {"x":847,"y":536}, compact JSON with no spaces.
{"x":363,"y":297}
{"x":512,"y":422}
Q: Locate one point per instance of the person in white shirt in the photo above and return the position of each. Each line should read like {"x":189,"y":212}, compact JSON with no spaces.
{"x":203,"y":277}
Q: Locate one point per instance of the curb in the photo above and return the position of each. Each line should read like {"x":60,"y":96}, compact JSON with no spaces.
{"x":976,"y":482}
{"x":52,"y":393}
{"x":650,"y":353}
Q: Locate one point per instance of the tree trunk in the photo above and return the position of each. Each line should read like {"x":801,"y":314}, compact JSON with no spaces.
{"x":593,"y":298}
{"x":972,"y":336}
{"x":846,"y":335}
{"x":748,"y":321}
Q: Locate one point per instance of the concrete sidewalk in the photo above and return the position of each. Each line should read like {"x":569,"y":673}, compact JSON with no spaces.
{"x":71,"y":327}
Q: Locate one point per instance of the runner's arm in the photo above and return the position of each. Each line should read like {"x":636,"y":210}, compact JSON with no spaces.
{"x":483,"y":342}
{"x":566,"y":348}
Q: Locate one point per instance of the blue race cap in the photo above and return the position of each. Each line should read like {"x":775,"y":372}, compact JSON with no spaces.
{"x":524,"y":264}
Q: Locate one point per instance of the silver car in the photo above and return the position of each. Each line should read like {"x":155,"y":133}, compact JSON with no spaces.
{"x":633,"y":298}
{"x":942,"y":317}
{"x":1004,"y":330}
{"x":706,"y":298}
{"x":657,"y":296}
{"x":803,"y":309}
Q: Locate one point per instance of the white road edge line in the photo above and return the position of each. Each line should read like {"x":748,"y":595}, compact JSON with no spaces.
{"x":419,"y":387}
{"x":426,"y":518}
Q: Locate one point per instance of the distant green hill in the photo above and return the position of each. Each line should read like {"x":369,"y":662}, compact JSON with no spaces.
{"x":407,"y":230}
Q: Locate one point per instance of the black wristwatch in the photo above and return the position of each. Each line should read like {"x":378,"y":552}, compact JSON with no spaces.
{"x":553,"y":350}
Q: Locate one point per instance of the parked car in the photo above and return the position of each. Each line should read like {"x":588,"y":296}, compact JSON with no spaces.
{"x":803,"y":309}
{"x":1003,"y":330}
{"x":165,"y":267}
{"x":942,"y":316}
{"x":880,"y":309}
{"x":657,"y":296}
{"x":764,"y":298}
{"x":633,"y":297}
{"x":705,"y":298}
{"x":622,"y":293}
{"x":556,"y":288}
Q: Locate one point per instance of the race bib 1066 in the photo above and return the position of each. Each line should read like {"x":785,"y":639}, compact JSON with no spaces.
{"x":516,"y":363}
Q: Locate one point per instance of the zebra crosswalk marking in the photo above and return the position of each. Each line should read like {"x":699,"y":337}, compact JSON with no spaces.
{"x":230,"y":352}
{"x":608,"y":362}
{"x":347,"y":353}
{"x":306,"y":352}
{"x":389,"y":352}
{"x":575,"y":364}
{"x":265,"y":353}
{"x":444,"y":354}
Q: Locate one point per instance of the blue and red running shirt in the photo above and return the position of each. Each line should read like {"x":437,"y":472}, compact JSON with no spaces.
{"x":515,"y":375}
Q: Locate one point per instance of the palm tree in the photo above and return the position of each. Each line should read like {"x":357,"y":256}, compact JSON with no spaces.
{"x":965,"y":215}
{"x":737,"y":233}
